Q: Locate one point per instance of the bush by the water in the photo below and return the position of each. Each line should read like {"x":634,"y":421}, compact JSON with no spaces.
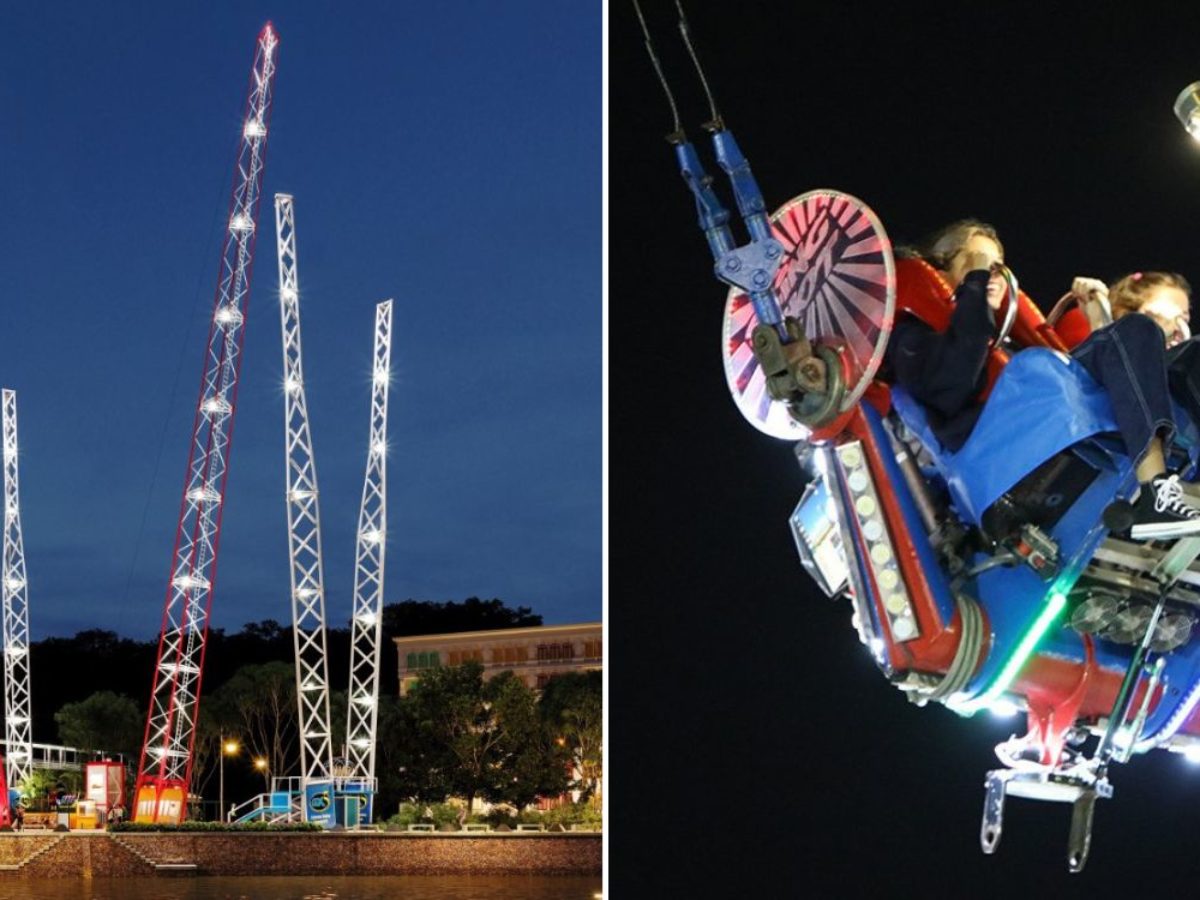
{"x":436,"y":814}
{"x":215,"y":826}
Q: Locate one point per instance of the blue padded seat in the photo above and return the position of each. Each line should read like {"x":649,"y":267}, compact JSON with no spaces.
{"x":1042,"y":403}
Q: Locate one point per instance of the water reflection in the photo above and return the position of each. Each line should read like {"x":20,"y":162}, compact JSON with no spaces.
{"x":316,"y":887}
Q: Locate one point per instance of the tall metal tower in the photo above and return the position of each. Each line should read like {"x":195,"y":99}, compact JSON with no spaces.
{"x":16,"y":610}
{"x":165,"y":767}
{"x":366,"y":625}
{"x":304,"y":519}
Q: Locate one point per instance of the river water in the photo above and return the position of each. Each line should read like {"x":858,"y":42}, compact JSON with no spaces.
{"x":381,"y":887}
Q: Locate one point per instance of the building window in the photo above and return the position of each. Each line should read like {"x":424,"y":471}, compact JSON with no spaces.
{"x":455,"y":657}
{"x":592,"y":649}
{"x":424,"y":660}
{"x":543,"y":652}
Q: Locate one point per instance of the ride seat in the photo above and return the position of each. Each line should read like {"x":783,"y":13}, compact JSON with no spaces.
{"x":1042,"y":403}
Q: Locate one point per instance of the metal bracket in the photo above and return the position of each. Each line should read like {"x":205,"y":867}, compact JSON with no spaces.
{"x":1080,"y":787}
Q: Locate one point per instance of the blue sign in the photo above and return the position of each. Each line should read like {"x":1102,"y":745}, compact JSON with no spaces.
{"x":318,"y":802}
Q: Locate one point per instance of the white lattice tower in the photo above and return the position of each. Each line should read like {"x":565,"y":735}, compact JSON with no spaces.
{"x":16,"y":610}
{"x":166,"y":759}
{"x":366,"y":624}
{"x":304,"y":518}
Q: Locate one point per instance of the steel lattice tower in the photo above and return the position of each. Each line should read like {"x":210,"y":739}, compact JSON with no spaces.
{"x":304,"y":519}
{"x":165,"y":767}
{"x":366,"y":625}
{"x":16,"y":610}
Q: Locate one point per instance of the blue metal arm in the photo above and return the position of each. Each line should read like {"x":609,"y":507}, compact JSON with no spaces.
{"x":751,"y":267}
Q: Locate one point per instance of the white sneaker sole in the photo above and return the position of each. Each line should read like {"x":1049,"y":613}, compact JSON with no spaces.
{"x":1164,"y":530}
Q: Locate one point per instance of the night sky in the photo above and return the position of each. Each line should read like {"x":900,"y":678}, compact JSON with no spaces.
{"x":447,"y":155}
{"x":760,"y":753}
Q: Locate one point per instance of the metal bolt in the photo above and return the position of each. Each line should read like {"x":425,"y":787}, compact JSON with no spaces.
{"x":772,"y":251}
{"x":732,"y":264}
{"x":759,"y":279}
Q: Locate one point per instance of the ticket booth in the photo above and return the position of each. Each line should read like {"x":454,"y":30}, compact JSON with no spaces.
{"x":104,"y":786}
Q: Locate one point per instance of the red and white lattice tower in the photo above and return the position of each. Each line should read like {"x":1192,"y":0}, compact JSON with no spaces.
{"x":366,"y":624}
{"x":304,"y":518}
{"x":165,"y":767}
{"x":18,"y":743}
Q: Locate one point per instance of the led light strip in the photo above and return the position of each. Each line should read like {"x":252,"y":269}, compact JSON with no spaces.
{"x":881,"y":557}
{"x":1050,"y":612}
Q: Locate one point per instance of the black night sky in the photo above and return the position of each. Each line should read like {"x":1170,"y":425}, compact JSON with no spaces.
{"x":755,"y":750}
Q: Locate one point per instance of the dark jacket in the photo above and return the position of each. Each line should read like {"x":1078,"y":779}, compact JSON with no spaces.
{"x":945,"y":372}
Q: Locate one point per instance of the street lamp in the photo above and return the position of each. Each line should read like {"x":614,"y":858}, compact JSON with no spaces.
{"x":228,"y":748}
{"x":1187,"y":109}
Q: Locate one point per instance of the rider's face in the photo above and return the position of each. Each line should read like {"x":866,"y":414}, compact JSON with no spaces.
{"x":960,"y":262}
{"x":1169,"y":307}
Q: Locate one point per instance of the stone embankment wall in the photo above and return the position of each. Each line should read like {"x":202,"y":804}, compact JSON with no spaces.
{"x":85,"y":855}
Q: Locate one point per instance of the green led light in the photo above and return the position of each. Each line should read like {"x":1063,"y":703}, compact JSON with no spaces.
{"x":1020,"y":656}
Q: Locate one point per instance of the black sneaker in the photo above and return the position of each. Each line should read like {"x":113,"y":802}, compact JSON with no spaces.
{"x":1162,"y":511}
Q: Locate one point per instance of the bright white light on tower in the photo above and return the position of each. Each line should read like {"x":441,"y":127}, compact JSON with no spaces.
{"x":15,"y":651}
{"x":14,"y":584}
{"x":367,"y":618}
{"x":10,"y":512}
{"x":1004,"y":708}
{"x":361,"y":742}
{"x":227,"y":314}
{"x":241,"y":222}
{"x":215,"y":405}
{"x":288,"y":294}
{"x":381,"y":376}
{"x":299,"y":494}
{"x":254,"y":128}
{"x":379,"y":447}
{"x":198,"y":494}
{"x":305,"y":592}
{"x":374,"y":536}
{"x":291,"y":385}
{"x":365,"y":700}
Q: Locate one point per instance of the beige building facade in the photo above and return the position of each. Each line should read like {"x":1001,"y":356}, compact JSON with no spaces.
{"x":532,"y":654}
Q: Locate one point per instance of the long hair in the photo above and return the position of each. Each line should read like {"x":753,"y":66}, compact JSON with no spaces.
{"x":1130,"y":293}
{"x":944,"y":244}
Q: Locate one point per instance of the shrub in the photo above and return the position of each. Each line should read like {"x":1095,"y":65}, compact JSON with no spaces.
{"x":214,"y":826}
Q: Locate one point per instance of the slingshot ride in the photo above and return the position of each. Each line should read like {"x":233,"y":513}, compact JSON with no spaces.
{"x":980,"y":578}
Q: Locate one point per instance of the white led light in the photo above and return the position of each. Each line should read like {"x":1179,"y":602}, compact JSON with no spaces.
{"x":254,"y":128}
{"x":373,"y":536}
{"x":1192,"y":753}
{"x":379,"y":447}
{"x":865,"y":506}
{"x":877,"y":646}
{"x":851,"y":457}
{"x":227,"y":314}
{"x":214,"y":405}
{"x":903,"y":628}
{"x":291,"y":385}
{"x":14,"y":584}
{"x":896,"y":604}
{"x":365,"y":700}
{"x":873,"y":530}
{"x":857,"y":481}
{"x":888,"y":579}
{"x":241,"y":222}
{"x":288,"y":294}
{"x":1004,"y":708}
{"x":367,"y":618}
{"x":880,"y":554}
{"x":381,"y":376}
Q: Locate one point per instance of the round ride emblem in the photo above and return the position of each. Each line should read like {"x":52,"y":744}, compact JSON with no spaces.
{"x":838,"y":279}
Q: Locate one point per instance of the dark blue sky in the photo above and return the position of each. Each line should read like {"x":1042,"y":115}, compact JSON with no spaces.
{"x":447,"y":155}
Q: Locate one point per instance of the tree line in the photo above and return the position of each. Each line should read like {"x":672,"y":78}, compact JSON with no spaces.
{"x":453,"y":735}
